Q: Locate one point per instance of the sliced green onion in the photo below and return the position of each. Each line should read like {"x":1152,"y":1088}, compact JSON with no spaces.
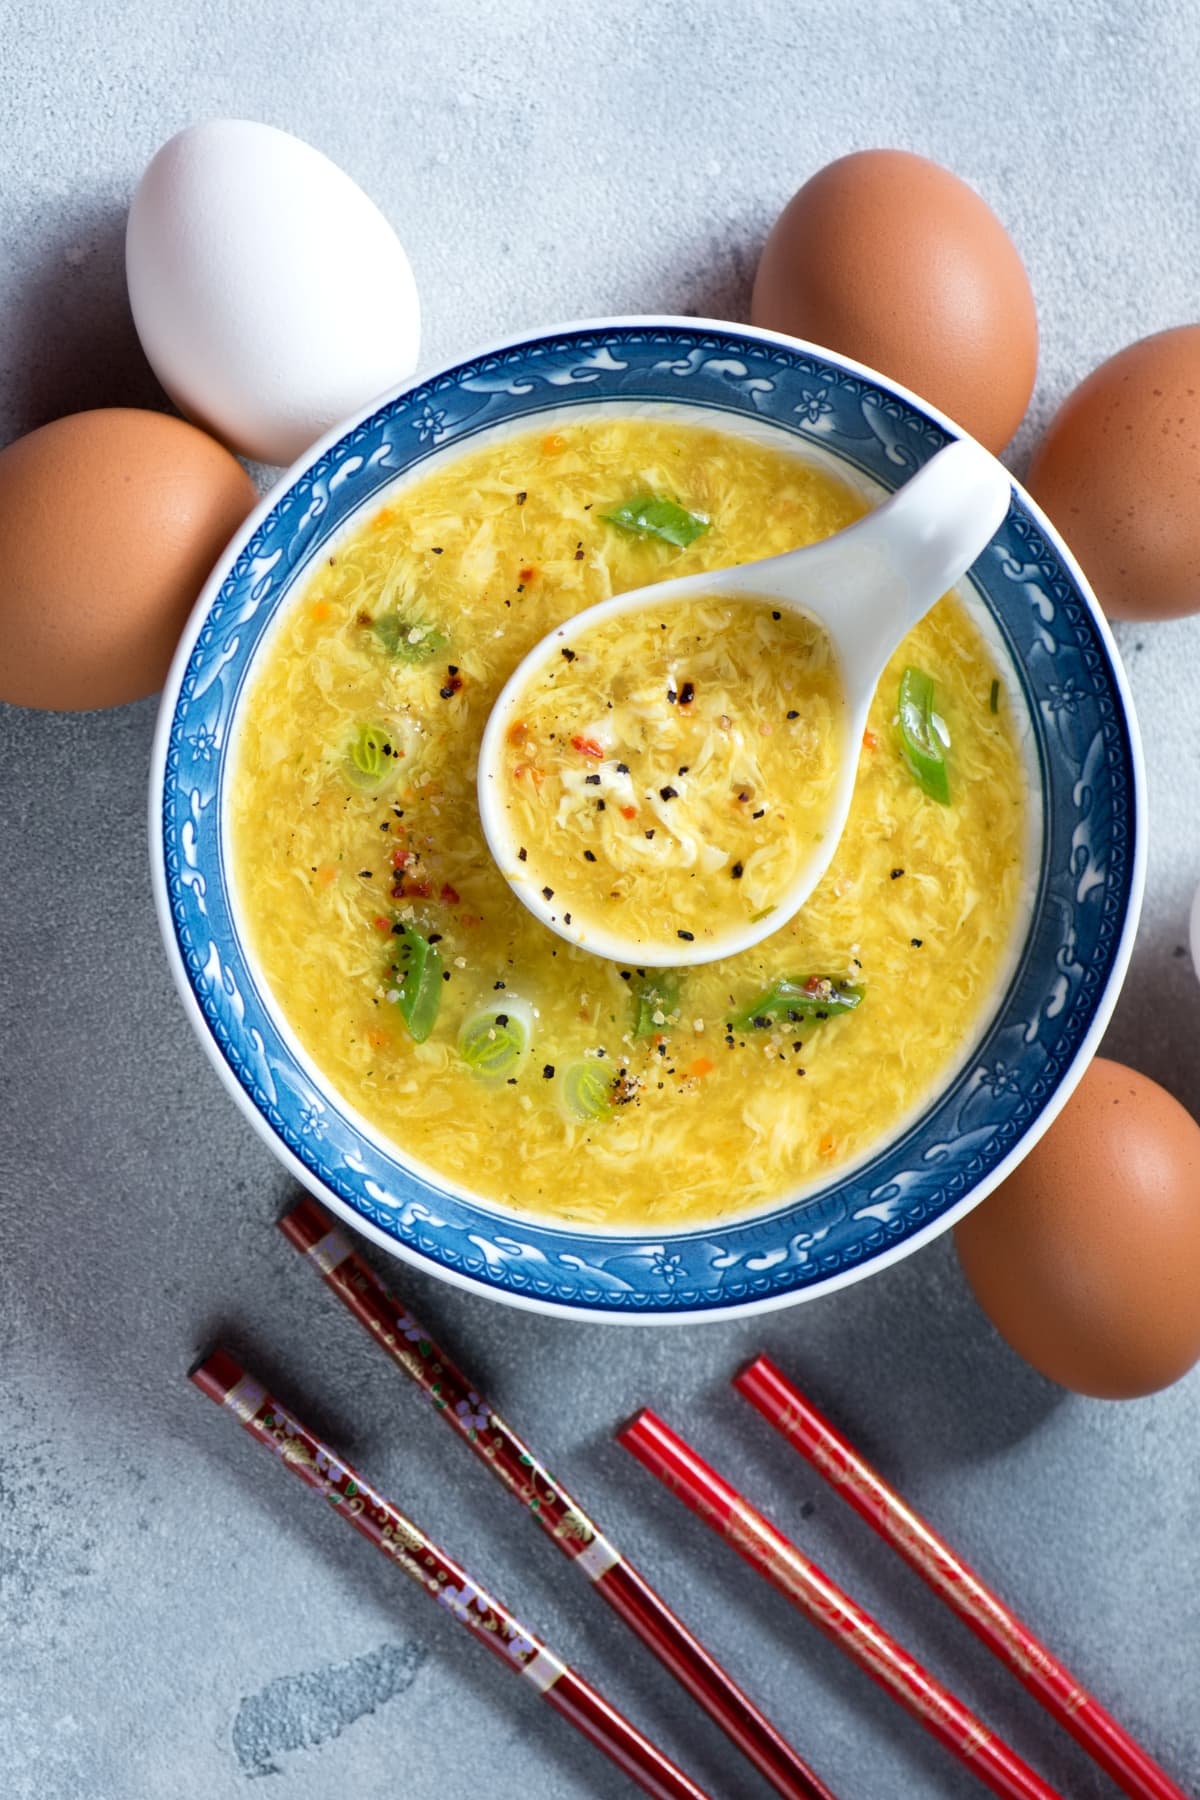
{"x":368,"y":760}
{"x":920,"y":742}
{"x":494,"y":1041}
{"x":796,"y":997}
{"x":648,"y":516}
{"x":417,"y":977}
{"x":587,"y":1089}
{"x":408,"y":640}
{"x":994,"y":701}
{"x":656,"y":997}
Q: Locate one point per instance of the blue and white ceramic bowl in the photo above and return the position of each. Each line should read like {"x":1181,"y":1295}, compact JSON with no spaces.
{"x":1087,"y":861}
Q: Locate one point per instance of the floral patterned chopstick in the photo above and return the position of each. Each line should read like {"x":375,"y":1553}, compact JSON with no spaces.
{"x":310,"y":1229}
{"x":860,"y":1486}
{"x":225,"y":1381}
{"x":811,"y":1591}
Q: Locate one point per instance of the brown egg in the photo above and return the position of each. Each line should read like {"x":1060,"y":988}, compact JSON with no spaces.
{"x":109,"y":523}
{"x":894,"y":261}
{"x":1118,"y":471}
{"x":1087,"y":1259}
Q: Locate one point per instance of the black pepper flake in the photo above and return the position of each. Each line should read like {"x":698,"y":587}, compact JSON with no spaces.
{"x":760,"y":814}
{"x":522,"y":854}
{"x":798,"y":1045}
{"x":568,"y":655}
{"x":589,"y":856}
{"x":799,"y":1071}
{"x":385,"y":826}
{"x":579,"y":556}
{"x":650,"y":833}
{"x":522,"y":497}
{"x":496,"y":986}
{"x":735,"y":874}
{"x":436,"y":549}
{"x":592,"y":781}
{"x":589,"y":506}
{"x":683,"y":768}
{"x":397,"y":812}
{"x":793,"y":715}
{"x":435,"y":937}
{"x":689,"y":937}
{"x":547,"y":893}
{"x":668,"y":793}
{"x":445,"y":974}
{"x":600,"y":806}
{"x":916,"y":942}
{"x":896,"y":874}
{"x":548,"y":1072}
{"x":776,"y":615}
{"x":662,"y":1049}
{"x":447,"y":693}
{"x":622,"y":768}
{"x":672,"y":696}
{"x":502,"y":1018}
{"x":687,"y":693}
{"x":626,"y":974}
{"x":366,"y":874}
{"x":397,"y":930}
{"x":512,"y":1081}
{"x":452,"y":668}
{"x":566,"y":918}
{"x":729,"y":1041}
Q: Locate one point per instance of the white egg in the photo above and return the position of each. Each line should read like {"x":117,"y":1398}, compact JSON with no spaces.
{"x":271,"y":296}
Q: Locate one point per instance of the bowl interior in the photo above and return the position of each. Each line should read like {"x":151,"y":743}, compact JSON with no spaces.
{"x":1048,"y":1010}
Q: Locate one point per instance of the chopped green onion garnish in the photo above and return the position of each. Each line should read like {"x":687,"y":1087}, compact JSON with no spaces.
{"x":796,"y":997}
{"x":657,"y":999}
{"x":648,"y":516}
{"x":994,"y":702}
{"x":368,"y":759}
{"x":587,"y":1090}
{"x":494,"y":1041}
{"x":417,"y":978}
{"x":920,"y":743}
{"x":407,"y":639}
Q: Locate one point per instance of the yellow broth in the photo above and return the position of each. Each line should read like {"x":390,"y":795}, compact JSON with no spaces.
{"x":400,"y":643}
{"x":669,"y":775}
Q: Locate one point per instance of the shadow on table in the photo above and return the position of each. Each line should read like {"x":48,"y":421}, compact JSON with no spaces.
{"x":76,"y":305}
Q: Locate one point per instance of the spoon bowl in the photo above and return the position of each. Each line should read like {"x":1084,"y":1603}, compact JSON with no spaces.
{"x":865,"y":588}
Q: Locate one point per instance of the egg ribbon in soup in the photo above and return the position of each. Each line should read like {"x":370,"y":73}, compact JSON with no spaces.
{"x":488,"y":1050}
{"x":713,"y":732}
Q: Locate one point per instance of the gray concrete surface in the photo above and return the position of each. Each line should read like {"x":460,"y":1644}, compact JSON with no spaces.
{"x":175,"y":1619}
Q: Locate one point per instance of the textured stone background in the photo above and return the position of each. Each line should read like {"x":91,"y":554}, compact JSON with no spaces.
{"x":175,"y":1620}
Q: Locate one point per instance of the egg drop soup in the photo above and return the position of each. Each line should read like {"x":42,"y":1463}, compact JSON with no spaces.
{"x":487,"y":1050}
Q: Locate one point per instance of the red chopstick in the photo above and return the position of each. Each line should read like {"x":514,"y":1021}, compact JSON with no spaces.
{"x":809,"y":1589}
{"x":784,"y":1406}
{"x":300,"y":1450}
{"x":498,"y":1447}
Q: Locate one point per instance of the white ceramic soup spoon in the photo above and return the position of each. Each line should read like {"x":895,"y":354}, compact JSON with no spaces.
{"x":865,"y":587}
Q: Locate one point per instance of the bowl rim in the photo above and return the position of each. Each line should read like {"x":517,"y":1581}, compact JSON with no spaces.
{"x":651,"y":1315}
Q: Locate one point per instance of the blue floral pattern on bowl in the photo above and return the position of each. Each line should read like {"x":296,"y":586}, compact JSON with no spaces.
{"x":1085,"y":908}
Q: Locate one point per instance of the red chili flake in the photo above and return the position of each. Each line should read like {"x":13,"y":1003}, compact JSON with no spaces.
{"x":450,"y":894}
{"x":870,"y":741}
{"x":401,"y":858}
{"x":526,"y":574}
{"x":382,"y":924}
{"x":687,"y":693}
{"x":588,"y":747}
{"x":629,"y":812}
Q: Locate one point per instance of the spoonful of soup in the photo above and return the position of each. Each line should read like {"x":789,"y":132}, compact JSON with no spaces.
{"x":665,"y":777}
